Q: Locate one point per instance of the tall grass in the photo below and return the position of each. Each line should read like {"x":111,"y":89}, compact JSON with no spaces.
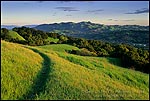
{"x":19,"y":67}
{"x":41,"y":79}
{"x":84,"y":78}
{"x":67,"y":76}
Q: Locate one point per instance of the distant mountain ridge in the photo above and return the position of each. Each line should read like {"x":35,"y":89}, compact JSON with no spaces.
{"x":8,"y":26}
{"x":135,"y":35}
{"x":12,"y":26}
{"x":82,"y":26}
{"x":131,"y":34}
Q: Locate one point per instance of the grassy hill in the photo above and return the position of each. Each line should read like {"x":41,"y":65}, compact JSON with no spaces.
{"x":49,"y":72}
{"x":19,"y":68}
{"x":50,"y":39}
{"x":14,"y":34}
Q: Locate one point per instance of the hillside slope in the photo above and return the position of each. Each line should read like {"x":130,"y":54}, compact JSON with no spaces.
{"x":19,"y":68}
{"x":60,"y":75}
{"x":14,"y":34}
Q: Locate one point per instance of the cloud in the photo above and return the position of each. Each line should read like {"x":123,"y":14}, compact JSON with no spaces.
{"x":68,"y":15}
{"x":110,"y":19}
{"x":75,"y":1}
{"x":129,"y":20}
{"x":121,"y":20}
{"x":40,"y":1}
{"x":98,"y":10}
{"x":143,"y":10}
{"x":67,"y":9}
{"x":64,"y":1}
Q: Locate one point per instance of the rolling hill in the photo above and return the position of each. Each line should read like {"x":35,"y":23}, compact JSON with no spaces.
{"x":134,"y":35}
{"x":50,"y":73}
{"x":14,"y":34}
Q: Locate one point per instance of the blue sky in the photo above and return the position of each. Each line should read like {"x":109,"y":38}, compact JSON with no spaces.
{"x":103,"y":12}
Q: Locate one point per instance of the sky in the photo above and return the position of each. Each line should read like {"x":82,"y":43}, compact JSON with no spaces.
{"x":101,"y":12}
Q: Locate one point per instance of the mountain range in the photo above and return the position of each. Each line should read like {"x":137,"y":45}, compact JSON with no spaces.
{"x":12,"y":26}
{"x":135,"y":35}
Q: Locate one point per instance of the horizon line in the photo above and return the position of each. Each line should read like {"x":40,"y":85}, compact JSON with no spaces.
{"x":70,"y":22}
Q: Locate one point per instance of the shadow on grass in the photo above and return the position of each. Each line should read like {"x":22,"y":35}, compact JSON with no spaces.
{"x":39,"y":83}
{"x":114,"y":61}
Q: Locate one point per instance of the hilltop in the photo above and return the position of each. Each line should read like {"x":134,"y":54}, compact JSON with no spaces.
{"x":51,"y":73}
{"x":11,"y":35}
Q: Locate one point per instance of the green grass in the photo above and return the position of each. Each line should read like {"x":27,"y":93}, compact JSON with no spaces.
{"x":39,"y":83}
{"x":14,"y":34}
{"x":19,"y":68}
{"x":68,"y":76}
{"x":50,"y":39}
{"x":58,"y":47}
